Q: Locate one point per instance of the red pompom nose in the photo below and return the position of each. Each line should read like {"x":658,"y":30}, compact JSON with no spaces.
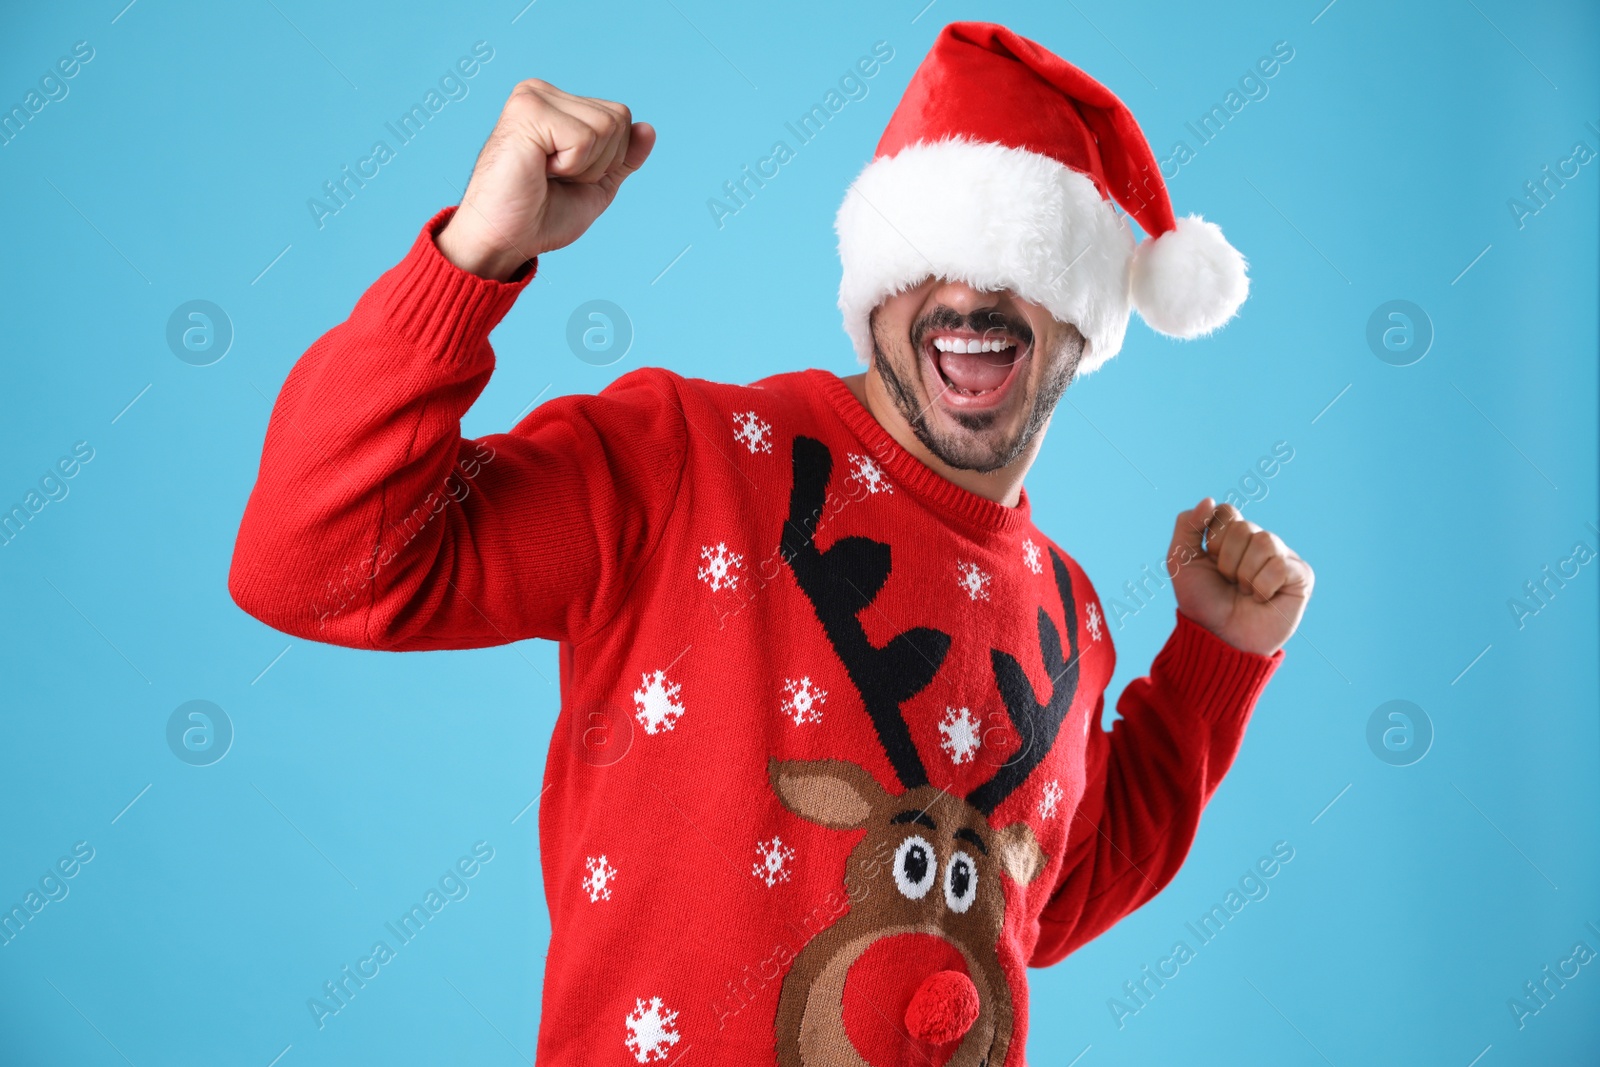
{"x":908,"y":1000}
{"x":943,"y":1008}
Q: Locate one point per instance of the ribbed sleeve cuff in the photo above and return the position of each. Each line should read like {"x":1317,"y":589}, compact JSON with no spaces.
{"x":440,"y":307}
{"x":1210,"y":675}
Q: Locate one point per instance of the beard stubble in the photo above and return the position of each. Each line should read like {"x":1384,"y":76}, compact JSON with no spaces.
{"x":976,"y":449}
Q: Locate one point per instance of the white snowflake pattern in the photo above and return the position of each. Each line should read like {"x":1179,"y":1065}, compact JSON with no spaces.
{"x":773,"y":865}
{"x":962,"y":738}
{"x":869,"y":474}
{"x":597,"y":882}
{"x":802,"y":700}
{"x":719,"y":567}
{"x":1049,"y":799}
{"x":650,"y":1030}
{"x":974,"y":580}
{"x":657,"y":701}
{"x":1094,"y":621}
{"x":1030,"y":556}
{"x":750,"y":430}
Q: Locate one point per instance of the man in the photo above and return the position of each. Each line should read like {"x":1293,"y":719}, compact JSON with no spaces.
{"x":829,"y":772}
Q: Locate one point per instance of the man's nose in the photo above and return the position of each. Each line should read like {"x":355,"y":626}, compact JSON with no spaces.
{"x":963,"y":298}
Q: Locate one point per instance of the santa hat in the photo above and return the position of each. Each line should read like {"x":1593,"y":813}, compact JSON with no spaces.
{"x":998,"y":169}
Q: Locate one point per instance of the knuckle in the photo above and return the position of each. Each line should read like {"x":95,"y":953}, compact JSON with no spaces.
{"x":527,"y":95}
{"x":524,"y":104}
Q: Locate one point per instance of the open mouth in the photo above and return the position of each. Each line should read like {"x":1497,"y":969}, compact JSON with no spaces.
{"x":971,"y":371}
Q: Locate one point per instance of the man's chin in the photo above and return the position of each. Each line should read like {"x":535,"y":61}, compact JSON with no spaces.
{"x":968,"y":451}
{"x":979,"y":437}
{"x":981,"y":440}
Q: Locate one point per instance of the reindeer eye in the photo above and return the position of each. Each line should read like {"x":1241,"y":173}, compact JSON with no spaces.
{"x":914,"y":867}
{"x":960,"y":882}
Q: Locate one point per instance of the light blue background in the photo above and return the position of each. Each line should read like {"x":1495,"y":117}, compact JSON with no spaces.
{"x":1378,"y":167}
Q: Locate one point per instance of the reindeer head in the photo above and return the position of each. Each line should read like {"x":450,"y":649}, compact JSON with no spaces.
{"x":911,"y":973}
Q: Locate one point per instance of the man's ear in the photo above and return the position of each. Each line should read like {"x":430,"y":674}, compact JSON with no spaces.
{"x":1020,"y":854}
{"x":830,"y":792}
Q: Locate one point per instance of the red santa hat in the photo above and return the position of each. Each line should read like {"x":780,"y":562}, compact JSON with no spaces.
{"x":999,"y":168}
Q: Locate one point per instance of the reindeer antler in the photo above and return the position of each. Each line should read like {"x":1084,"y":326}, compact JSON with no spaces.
{"x":1037,"y":723}
{"x":839,"y":583}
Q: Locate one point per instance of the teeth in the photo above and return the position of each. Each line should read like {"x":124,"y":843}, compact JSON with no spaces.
{"x":957,"y":344}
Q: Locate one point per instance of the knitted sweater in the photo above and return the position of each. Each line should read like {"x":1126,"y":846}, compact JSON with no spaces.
{"x":829,"y":771}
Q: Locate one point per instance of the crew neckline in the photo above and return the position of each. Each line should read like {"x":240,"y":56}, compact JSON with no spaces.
{"x":910,"y":471}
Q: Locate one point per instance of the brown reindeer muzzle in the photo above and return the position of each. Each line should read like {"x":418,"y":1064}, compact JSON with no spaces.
{"x":914,"y":986}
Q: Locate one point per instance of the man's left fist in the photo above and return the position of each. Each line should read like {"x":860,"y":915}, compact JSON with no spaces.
{"x":1237,"y":580}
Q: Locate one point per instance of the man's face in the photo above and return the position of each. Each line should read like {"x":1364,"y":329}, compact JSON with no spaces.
{"x":974,"y":409}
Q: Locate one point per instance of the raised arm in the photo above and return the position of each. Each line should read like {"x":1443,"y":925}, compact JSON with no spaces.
{"x":373,"y":523}
{"x":1147,"y":780}
{"x":1241,"y":593}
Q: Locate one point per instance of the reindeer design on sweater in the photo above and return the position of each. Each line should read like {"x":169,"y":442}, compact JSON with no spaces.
{"x":942,"y":904}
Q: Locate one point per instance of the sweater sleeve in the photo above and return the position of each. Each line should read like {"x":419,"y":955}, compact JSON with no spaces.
{"x":374,"y":524}
{"x":1147,"y":779}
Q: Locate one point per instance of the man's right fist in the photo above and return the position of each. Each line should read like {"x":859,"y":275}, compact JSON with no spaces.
{"x":552,"y":164}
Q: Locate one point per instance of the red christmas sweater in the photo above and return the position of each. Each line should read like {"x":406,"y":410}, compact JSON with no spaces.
{"x":829,"y":771}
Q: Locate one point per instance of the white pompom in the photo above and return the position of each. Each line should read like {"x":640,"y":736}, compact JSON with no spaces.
{"x":1188,"y":281}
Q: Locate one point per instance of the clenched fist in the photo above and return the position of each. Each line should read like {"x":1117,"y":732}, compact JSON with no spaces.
{"x":1237,"y":580}
{"x":552,"y":164}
